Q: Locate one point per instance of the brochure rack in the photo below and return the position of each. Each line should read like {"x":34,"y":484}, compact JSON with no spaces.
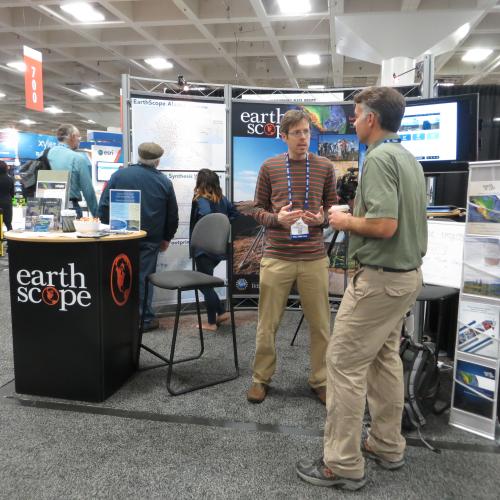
{"x":475,"y":398}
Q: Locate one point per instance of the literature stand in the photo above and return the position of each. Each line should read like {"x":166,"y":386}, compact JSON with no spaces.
{"x":474,"y":405}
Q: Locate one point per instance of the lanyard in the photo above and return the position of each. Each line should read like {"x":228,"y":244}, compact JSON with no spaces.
{"x":393,"y":140}
{"x":289,"y":181}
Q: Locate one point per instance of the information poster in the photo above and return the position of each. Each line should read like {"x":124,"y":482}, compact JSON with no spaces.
{"x":124,"y":209}
{"x":483,"y":207}
{"x":256,"y":137}
{"x":478,"y":328}
{"x":53,"y":184}
{"x":442,"y":264}
{"x":192,"y":133}
{"x":177,"y":255}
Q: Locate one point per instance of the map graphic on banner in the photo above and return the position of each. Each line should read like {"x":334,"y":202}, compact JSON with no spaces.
{"x":192,"y":133}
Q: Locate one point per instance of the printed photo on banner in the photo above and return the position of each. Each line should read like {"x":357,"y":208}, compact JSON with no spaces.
{"x":478,"y":328}
{"x":474,"y":388}
{"x":482,"y":266}
{"x":483,"y":208}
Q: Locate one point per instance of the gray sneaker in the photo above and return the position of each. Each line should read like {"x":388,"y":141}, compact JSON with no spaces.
{"x":385,"y":464}
{"x":317,"y":473}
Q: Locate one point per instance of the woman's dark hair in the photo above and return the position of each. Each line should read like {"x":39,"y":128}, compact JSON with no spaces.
{"x":4,"y":168}
{"x":208,"y":186}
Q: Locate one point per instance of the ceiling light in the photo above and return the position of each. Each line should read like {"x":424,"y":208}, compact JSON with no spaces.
{"x":294,"y":7}
{"x":476,"y":55}
{"x":19,"y":65}
{"x":27,"y":121}
{"x":446,"y":84}
{"x":315,"y":87}
{"x":2,"y":95}
{"x":89,"y":121}
{"x":159,"y":63}
{"x":91,"y":91}
{"x":54,"y":110}
{"x":496,"y":119}
{"x":83,"y":12}
{"x":308,"y":59}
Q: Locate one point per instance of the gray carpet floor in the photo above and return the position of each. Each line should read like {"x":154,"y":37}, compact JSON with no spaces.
{"x":143,"y":443}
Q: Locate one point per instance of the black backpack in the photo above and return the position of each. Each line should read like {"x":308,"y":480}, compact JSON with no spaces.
{"x":28,"y":173}
{"x":421,"y":382}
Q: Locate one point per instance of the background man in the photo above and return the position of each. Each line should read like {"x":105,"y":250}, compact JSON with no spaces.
{"x":389,"y":239}
{"x":159,"y":214}
{"x":292,"y":191}
{"x":64,"y":157}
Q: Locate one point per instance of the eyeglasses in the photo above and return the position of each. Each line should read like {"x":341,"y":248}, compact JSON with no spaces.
{"x":298,"y":133}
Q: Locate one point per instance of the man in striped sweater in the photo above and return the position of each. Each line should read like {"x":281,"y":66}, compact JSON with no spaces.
{"x":293,"y":193}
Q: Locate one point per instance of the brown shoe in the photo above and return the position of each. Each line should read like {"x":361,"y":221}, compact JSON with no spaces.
{"x":257,"y":392}
{"x":320,"y":393}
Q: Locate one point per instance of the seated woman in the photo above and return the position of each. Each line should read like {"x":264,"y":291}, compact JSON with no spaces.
{"x":207,"y":199}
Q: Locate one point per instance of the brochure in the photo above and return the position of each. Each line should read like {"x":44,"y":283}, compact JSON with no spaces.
{"x":124,"y":210}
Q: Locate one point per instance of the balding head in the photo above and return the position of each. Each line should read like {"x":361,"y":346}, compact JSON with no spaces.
{"x":68,"y":134}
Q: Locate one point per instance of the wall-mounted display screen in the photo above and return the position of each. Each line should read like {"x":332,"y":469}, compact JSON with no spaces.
{"x":105,"y":169}
{"x":441,"y":131}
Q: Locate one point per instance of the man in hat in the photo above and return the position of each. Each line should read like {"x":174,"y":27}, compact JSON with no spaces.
{"x":159,"y":214}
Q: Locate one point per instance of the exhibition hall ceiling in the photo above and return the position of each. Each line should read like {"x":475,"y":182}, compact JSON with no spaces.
{"x":242,"y":42}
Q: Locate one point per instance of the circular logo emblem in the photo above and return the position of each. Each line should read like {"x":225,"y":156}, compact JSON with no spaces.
{"x":270,"y":129}
{"x":121,"y":279}
{"x":50,"y":296}
{"x":100,"y":152}
{"x":241,"y":284}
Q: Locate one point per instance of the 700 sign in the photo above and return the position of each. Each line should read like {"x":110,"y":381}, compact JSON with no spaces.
{"x":33,"y":82}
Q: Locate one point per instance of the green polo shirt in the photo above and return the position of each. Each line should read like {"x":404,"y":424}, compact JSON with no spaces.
{"x":392,"y":186}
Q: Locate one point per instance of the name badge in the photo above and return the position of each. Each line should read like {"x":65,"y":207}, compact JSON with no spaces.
{"x":299,"y":230}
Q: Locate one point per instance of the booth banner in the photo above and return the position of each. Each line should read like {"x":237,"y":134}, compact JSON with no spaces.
{"x":9,"y":140}
{"x":104,"y":138}
{"x":192,"y":133}
{"x":31,"y":146}
{"x":177,"y":255}
{"x":112,"y":154}
{"x":256,"y":137}
{"x":33,"y":79}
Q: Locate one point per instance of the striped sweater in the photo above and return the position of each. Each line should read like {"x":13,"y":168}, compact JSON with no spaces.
{"x":271,"y":194}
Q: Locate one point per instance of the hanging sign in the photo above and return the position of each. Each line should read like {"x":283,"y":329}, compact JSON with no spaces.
{"x":33,"y":82}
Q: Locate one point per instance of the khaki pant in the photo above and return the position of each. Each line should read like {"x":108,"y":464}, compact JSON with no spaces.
{"x":363,"y":363}
{"x":276,"y":279}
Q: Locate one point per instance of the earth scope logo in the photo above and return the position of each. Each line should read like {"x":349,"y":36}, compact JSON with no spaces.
{"x":121,"y":279}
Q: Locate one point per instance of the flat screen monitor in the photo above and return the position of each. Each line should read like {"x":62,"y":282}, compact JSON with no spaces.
{"x":105,"y":169}
{"x":441,"y":132}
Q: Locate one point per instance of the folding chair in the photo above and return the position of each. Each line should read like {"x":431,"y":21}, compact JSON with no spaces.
{"x":210,"y":234}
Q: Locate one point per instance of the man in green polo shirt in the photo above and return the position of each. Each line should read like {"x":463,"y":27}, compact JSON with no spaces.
{"x":388,"y":238}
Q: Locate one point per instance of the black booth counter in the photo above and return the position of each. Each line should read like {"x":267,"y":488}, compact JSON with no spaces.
{"x":75,"y":313}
